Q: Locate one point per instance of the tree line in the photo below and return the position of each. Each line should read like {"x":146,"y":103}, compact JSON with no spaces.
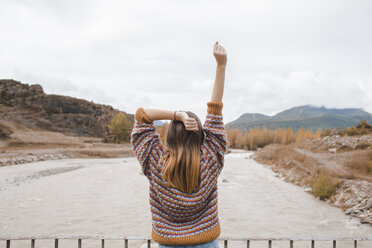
{"x":120,"y":129}
{"x":256,"y":138}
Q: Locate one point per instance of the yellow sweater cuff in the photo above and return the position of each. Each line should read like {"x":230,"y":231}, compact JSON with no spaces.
{"x":141,"y":116}
{"x":214,"y":108}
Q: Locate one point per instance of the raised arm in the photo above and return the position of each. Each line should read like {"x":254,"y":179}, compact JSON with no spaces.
{"x":216,"y":139}
{"x":221,"y":58}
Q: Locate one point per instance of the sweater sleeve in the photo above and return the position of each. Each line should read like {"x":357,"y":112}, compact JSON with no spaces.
{"x":216,"y":139}
{"x":145,"y":142}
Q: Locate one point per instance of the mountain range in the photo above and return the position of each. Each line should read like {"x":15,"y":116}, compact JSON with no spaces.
{"x":29,"y":106}
{"x":307,"y":116}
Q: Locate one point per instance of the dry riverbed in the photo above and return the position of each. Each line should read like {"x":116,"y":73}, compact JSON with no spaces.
{"x":30,"y":145}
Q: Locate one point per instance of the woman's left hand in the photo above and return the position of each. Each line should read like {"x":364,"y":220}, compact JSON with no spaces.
{"x":190,"y":123}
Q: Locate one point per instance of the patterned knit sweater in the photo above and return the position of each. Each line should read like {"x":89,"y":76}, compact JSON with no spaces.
{"x":179,"y":218}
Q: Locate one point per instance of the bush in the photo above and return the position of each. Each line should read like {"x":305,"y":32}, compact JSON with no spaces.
{"x":326,"y":132}
{"x":5,"y":131}
{"x":362,"y":145}
{"x":360,"y":129}
{"x":363,"y":124}
{"x":323,"y":186}
{"x":352,"y":131}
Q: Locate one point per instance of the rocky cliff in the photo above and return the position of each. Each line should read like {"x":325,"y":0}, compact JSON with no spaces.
{"x":28,"y":105}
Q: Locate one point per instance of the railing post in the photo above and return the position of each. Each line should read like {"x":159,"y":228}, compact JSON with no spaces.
{"x":248,"y":243}
{"x":32,"y":243}
{"x":334,"y":243}
{"x":103,"y":243}
{"x":56,"y":243}
{"x":8,"y":243}
{"x":126,"y":243}
{"x":79,"y":243}
{"x":269,"y":244}
{"x":149,"y":243}
{"x":290,"y":243}
{"x":355,"y":244}
{"x":225,"y":243}
{"x":312,"y":243}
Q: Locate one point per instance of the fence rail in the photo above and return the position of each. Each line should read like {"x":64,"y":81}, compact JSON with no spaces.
{"x":150,"y":241}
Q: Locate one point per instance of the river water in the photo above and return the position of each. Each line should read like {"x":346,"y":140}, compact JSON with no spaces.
{"x":109,"y":197}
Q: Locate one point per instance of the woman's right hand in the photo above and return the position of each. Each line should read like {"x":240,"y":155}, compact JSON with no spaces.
{"x":190,"y":123}
{"x":220,"y":54}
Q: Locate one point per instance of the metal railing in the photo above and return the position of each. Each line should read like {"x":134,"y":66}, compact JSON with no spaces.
{"x":149,"y":241}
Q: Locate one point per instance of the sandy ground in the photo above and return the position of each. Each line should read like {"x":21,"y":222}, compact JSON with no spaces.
{"x":29,"y":142}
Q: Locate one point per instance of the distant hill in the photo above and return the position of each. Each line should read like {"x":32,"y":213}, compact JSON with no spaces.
{"x":307,"y":116}
{"x":158,"y":123}
{"x":28,"y":105}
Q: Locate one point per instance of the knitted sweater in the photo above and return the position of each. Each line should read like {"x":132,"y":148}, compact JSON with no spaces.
{"x":179,"y":218}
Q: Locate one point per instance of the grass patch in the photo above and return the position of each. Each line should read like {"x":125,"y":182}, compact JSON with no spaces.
{"x":323,"y":186}
{"x":361,"y":162}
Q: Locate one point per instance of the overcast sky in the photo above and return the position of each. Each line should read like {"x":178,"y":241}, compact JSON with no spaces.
{"x":158,"y":54}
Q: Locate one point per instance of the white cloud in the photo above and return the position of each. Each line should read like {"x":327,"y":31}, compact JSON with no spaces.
{"x":280,"y":53}
{"x":272,"y":93}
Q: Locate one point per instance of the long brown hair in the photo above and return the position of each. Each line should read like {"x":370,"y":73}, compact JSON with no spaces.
{"x":182,"y":165}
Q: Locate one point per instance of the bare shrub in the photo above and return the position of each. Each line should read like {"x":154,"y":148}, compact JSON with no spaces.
{"x":323,"y":186}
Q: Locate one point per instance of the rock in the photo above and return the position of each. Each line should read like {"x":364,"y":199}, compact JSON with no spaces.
{"x":348,"y":211}
{"x":349,"y":202}
{"x":366,"y":220}
{"x":334,"y":150}
{"x":308,"y":189}
{"x":369,"y":203}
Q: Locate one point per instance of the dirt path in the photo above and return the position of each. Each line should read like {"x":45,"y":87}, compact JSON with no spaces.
{"x":334,"y":162}
{"x":329,"y":161}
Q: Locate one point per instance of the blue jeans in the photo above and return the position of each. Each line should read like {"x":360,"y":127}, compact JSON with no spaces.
{"x":211,"y":244}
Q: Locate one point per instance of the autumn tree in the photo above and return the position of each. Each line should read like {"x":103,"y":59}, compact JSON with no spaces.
{"x":120,"y":128}
{"x":163,"y":130}
{"x":233,"y":138}
{"x":290,"y":135}
{"x":256,"y":138}
{"x":300,"y":135}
